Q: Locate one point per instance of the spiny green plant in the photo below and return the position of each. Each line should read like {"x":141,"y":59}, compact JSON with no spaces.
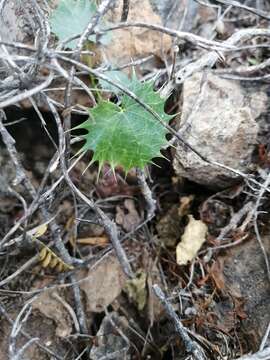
{"x":126,"y":134}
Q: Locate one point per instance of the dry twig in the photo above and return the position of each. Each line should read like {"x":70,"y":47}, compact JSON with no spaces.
{"x":260,"y":355}
{"x":191,"y":346}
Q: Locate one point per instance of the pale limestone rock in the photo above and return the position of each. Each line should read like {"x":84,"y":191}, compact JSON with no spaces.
{"x":219,"y":122}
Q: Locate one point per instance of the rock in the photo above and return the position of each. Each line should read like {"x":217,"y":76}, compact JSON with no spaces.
{"x":246,"y":276}
{"x":171,"y":11}
{"x":110,"y":345}
{"x":13,"y":24}
{"x":49,"y":305}
{"x":130,"y":43}
{"x":218,"y":121}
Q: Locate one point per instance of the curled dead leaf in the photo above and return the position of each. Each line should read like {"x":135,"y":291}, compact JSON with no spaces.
{"x":185,"y":204}
{"x":102,"y":284}
{"x":128,"y":216}
{"x":93,"y":241}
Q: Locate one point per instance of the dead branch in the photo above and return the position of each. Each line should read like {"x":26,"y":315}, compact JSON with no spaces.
{"x":27,"y":93}
{"x":191,"y":346}
{"x":101,"y":11}
{"x":208,"y":60}
{"x":125,"y":10}
{"x":22,"y":317}
{"x":256,"y":228}
{"x":10,"y":144}
{"x":245,"y":70}
{"x":252,"y":10}
{"x":180,"y":35}
{"x":4,"y":313}
{"x":109,"y":225}
{"x":265,"y":338}
{"x":235,"y":220}
{"x":260,"y":355}
{"x":29,"y":263}
{"x":147,"y":193}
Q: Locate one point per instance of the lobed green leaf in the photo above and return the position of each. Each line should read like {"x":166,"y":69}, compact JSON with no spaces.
{"x":126,"y":135}
{"x":70,"y":18}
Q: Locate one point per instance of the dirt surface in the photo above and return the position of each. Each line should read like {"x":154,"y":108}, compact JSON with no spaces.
{"x":166,"y":262}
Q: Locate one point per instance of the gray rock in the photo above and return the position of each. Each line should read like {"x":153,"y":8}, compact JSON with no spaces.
{"x":111,"y":345}
{"x":246,"y":277}
{"x":218,"y":120}
{"x":177,"y":14}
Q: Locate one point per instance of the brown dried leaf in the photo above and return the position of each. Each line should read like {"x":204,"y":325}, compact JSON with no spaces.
{"x":185,"y":203}
{"x":128,"y":217}
{"x":216,"y":273}
{"x":102,"y":284}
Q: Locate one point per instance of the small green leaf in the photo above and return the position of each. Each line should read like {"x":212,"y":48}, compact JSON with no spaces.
{"x":117,"y":76}
{"x":126,"y":135}
{"x":252,"y":61}
{"x":70,"y":18}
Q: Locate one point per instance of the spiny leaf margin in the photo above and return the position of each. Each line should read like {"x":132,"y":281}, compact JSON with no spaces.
{"x":126,"y":135}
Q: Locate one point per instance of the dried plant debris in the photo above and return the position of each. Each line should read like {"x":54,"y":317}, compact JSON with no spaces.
{"x":140,"y":255}
{"x":168,"y":227}
{"x":137,"y":289}
{"x":127,"y":216}
{"x":102,"y":284}
{"x":49,"y":259}
{"x":191,"y":241}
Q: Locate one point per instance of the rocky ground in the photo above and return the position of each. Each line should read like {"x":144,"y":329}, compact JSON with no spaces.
{"x":169,"y":262}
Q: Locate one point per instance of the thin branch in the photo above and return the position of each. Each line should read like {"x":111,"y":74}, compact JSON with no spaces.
{"x":27,"y":93}
{"x":109,"y":225}
{"x":256,"y":228}
{"x":125,"y":10}
{"x":147,"y":193}
{"x":265,"y":338}
{"x":4,"y":313}
{"x":16,"y":328}
{"x":252,"y":10}
{"x":181,"y":35}
{"x":208,"y":60}
{"x":101,"y":11}
{"x":235,"y":220}
{"x":245,"y":70}
{"x":191,"y":346}
{"x":260,"y":355}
